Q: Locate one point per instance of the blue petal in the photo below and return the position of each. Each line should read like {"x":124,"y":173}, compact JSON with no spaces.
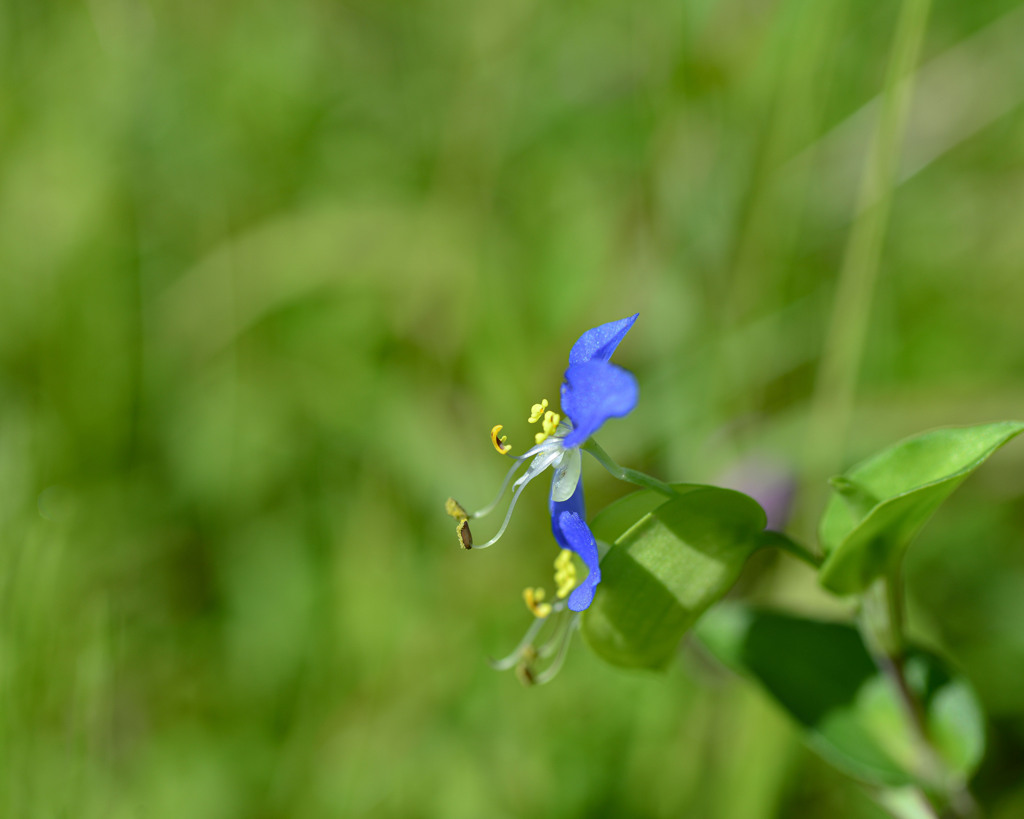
{"x":573,"y":505}
{"x":592,"y":393}
{"x":578,"y":537}
{"x":599,"y":343}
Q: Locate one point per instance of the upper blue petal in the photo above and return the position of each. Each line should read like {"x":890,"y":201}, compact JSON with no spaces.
{"x":573,"y":505}
{"x":599,"y":343}
{"x":578,"y":537}
{"x":594,"y":392}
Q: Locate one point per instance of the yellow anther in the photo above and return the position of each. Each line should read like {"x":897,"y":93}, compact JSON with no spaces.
{"x":537,"y":410}
{"x":549,"y":425}
{"x":499,"y":443}
{"x":549,"y":420}
{"x":533,"y":597}
{"x":565,"y":574}
{"x":453,"y":508}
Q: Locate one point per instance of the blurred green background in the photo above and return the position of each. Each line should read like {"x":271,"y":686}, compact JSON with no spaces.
{"x":269,"y":272}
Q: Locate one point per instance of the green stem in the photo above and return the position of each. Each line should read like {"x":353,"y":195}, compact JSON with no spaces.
{"x":624,"y":473}
{"x":769,"y":539}
{"x":895,"y":604}
{"x":883,"y":623}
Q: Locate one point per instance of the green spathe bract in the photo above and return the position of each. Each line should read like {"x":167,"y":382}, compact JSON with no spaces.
{"x":670,"y":561}
{"x":880,"y":505}
{"x":825,"y":678}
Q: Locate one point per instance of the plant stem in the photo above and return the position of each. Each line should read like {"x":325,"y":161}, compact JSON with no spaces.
{"x":768,"y":538}
{"x":895,"y":604}
{"x":883,"y":622}
{"x":778,"y":540}
{"x":624,"y":473}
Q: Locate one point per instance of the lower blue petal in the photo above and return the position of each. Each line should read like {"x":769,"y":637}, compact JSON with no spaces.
{"x":573,"y":505}
{"x":577,"y":537}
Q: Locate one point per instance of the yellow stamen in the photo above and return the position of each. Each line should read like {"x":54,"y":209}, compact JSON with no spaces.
{"x":499,"y":443}
{"x":537,"y":410}
{"x":550,"y":424}
{"x":565,"y":574}
{"x":533,"y":597}
{"x":549,"y":420}
{"x":453,"y":508}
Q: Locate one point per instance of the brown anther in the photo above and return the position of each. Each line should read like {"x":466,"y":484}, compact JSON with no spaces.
{"x":525,"y":674}
{"x":465,"y":536}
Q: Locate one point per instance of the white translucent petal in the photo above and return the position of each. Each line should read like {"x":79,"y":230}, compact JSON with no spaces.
{"x":567,"y":475}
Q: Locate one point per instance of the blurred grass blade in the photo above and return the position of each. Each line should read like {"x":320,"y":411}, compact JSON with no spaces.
{"x":841,"y":358}
{"x":947,"y":111}
{"x":908,"y":481}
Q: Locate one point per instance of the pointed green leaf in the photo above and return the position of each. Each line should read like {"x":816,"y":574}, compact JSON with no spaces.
{"x":665,"y":570}
{"x":881,"y":504}
{"x":824,"y":677}
{"x":858,"y":498}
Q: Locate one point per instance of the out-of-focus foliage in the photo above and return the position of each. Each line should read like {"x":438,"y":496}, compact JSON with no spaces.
{"x":270,"y":271}
{"x":826,"y":678}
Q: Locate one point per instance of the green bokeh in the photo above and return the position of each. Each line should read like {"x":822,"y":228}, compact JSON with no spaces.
{"x":269,"y":272}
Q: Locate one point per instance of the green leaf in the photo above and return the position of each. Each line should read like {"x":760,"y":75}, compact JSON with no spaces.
{"x":881,"y":504}
{"x":666,"y":568}
{"x":822,"y":674}
{"x":858,"y":499}
{"x":612,"y":522}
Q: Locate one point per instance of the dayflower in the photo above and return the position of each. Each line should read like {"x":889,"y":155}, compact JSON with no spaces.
{"x":593,"y":391}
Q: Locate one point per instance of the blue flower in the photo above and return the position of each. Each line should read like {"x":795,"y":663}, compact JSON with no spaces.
{"x":593,"y":391}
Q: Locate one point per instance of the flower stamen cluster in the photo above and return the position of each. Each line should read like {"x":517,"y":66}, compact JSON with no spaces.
{"x":549,"y":420}
{"x":565,"y":582}
{"x":565,"y":574}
